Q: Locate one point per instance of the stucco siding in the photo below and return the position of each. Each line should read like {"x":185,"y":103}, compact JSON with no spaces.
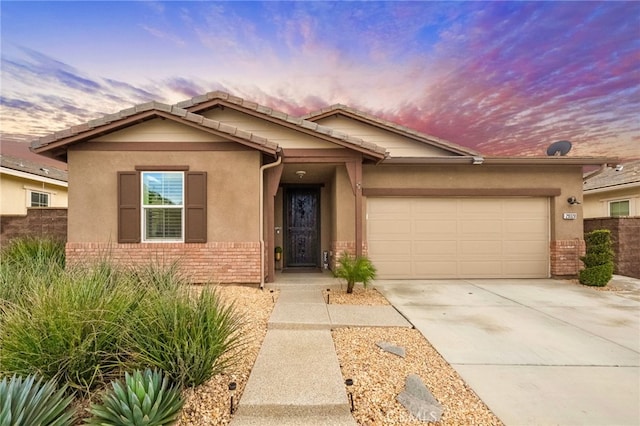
{"x":597,"y":204}
{"x":158,"y":130}
{"x":283,"y":136}
{"x":232,"y":191}
{"x":15,"y":193}
{"x":397,"y":145}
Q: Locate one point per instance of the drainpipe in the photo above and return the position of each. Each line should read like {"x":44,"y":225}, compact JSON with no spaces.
{"x":262,"y":169}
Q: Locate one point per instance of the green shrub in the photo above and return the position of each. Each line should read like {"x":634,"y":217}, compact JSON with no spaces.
{"x":355,"y":270}
{"x":598,"y":260}
{"x":144,"y":399}
{"x":185,"y":335}
{"x":26,"y":264}
{"x":69,"y":330}
{"x":27,"y":402}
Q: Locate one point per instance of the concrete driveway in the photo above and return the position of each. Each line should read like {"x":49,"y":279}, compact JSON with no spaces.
{"x":537,"y":352}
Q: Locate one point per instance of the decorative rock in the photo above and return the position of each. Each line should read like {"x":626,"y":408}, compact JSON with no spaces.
{"x":417,"y":399}
{"x":396,"y":350}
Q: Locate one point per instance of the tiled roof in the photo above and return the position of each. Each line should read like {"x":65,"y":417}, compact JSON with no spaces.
{"x":389,"y":125}
{"x":28,"y":166}
{"x":172,"y":110}
{"x":279,"y":115}
{"x":612,"y":177}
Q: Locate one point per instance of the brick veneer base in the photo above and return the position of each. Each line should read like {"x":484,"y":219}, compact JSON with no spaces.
{"x":565,"y":257}
{"x":338,"y":247}
{"x":216,"y":262}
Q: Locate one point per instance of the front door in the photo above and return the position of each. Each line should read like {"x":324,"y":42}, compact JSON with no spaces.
{"x":302,"y":225}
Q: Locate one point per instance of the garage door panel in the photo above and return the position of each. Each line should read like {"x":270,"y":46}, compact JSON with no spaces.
{"x":459,"y":237}
{"x":431,"y":249}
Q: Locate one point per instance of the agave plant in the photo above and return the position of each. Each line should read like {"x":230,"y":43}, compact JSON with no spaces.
{"x":27,"y":402}
{"x":146,"y":398}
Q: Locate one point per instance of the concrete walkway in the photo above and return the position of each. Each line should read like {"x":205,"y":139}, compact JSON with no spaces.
{"x":296,"y":379}
{"x":537,"y":352}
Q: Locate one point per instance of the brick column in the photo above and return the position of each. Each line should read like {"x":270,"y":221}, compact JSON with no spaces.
{"x":565,"y":257}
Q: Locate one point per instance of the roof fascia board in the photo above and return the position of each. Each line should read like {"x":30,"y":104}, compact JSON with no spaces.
{"x":628,"y":185}
{"x":540,"y":161}
{"x":254,"y":111}
{"x":32,"y":176}
{"x":195,"y":122}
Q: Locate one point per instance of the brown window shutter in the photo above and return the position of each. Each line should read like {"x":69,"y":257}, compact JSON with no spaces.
{"x":128,"y":207}
{"x":196,"y":208}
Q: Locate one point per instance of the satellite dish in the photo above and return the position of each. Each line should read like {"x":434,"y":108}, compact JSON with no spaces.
{"x":559,"y":148}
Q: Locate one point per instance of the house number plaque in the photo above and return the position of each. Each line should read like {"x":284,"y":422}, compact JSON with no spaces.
{"x":569,"y":216}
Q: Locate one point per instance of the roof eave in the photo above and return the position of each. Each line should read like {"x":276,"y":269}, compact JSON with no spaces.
{"x":478,"y":160}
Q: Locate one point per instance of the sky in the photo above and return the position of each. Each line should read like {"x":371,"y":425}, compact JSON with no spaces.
{"x":503,"y":78}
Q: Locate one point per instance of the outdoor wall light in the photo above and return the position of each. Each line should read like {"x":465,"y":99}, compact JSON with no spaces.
{"x":232,"y":391}
{"x":349,"y":383}
{"x":573,"y":200}
{"x":301,"y":173}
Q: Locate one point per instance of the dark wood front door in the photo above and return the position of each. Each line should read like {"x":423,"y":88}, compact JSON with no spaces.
{"x":302,"y":226}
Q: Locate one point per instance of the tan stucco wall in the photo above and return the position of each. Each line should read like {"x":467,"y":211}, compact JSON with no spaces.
{"x":232,"y":191}
{"x":398,"y":146}
{"x":343,"y":207}
{"x":486,"y":176}
{"x":597,"y":204}
{"x":285,"y":137}
{"x":158,"y":130}
{"x":14,"y":194}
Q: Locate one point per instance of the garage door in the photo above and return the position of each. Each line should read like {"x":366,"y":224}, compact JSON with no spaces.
{"x":459,"y":237}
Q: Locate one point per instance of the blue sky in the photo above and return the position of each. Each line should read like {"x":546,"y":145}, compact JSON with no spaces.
{"x":505,"y":78}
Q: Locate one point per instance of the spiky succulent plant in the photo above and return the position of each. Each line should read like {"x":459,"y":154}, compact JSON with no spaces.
{"x":30,"y":402}
{"x":145,"y":398}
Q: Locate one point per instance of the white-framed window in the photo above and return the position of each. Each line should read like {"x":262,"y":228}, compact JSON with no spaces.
{"x":162,"y":206}
{"x":619,"y":208}
{"x":39,"y":199}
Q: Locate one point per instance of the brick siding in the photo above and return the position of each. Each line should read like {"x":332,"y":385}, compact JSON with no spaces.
{"x":338,"y":247}
{"x":215,"y":262}
{"x":625,"y":235}
{"x":565,"y":257}
{"x":38,"y":222}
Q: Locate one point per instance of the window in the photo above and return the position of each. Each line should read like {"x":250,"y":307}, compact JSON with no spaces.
{"x":38,"y":199}
{"x":162,"y":206}
{"x":619,"y":208}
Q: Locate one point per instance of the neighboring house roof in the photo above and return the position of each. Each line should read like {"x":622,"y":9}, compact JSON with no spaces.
{"x":390,"y":126}
{"x":613,"y":178}
{"x":31,"y":170}
{"x":209,"y":100}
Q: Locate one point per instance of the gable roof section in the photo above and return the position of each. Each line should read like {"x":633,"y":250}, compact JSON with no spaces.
{"x":218,"y":98}
{"x":612,"y":179}
{"x":389,"y":126}
{"x":56,"y":144}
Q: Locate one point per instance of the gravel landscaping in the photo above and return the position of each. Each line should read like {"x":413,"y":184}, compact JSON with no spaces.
{"x":378,"y":376}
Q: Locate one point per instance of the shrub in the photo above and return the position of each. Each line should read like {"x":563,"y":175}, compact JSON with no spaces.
{"x":185,"y":335}
{"x":355,"y":269}
{"x":144,"y":399}
{"x":69,"y":330}
{"x":26,"y":264}
{"x":598,"y":260}
{"x":27,"y":402}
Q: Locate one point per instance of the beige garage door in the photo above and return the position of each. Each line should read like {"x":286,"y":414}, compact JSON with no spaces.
{"x":459,"y":237}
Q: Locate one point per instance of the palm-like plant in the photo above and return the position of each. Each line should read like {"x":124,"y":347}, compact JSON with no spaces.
{"x":27,"y":402}
{"x":146,"y":398}
{"x":355,"y":270}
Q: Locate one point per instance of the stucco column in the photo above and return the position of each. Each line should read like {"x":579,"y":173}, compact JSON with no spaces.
{"x":271,"y":188}
{"x":354,"y":170}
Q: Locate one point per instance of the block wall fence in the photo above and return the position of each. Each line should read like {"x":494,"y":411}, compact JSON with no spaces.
{"x":625,"y":234}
